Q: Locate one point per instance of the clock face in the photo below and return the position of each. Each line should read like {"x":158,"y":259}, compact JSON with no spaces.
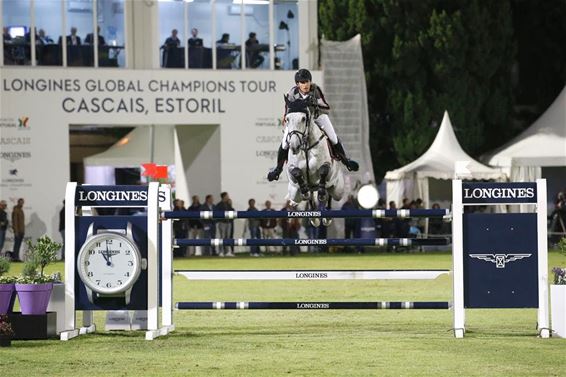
{"x":109,"y":263}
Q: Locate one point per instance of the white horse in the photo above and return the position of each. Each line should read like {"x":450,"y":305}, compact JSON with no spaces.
{"x":310,"y":168}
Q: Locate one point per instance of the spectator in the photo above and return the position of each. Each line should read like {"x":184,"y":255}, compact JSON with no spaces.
{"x":89,"y":39}
{"x":224,"y":227}
{"x":558,"y":218}
{"x":180,"y":229}
{"x":6,"y":37}
{"x":352,"y":225}
{"x":435,"y":224}
{"x":43,"y":39}
{"x":253,"y":226}
{"x":208,"y":226}
{"x":72,"y":39}
{"x":224,"y":40}
{"x":379,"y":222}
{"x":62,"y":229}
{"x":173,"y":40}
{"x":311,"y":232}
{"x":195,"y":225}
{"x":268,"y":227}
{"x":194,"y":40}
{"x":19,"y":227}
{"x":290,"y":229}
{"x":253,"y":57}
{"x":3,"y":223}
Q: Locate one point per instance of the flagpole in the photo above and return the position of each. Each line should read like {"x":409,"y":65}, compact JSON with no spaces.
{"x":151,"y":141}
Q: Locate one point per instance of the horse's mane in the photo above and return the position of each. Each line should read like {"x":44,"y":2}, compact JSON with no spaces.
{"x":298,"y":106}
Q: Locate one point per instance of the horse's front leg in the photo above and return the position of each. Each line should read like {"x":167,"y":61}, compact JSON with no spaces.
{"x":297,"y":176}
{"x":323,"y":173}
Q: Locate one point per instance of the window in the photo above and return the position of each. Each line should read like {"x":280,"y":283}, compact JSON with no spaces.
{"x":228,"y":34}
{"x":172,"y":33}
{"x":200,"y":48}
{"x":286,"y":31}
{"x":16,"y":32}
{"x":256,"y":17}
{"x":111,"y":41}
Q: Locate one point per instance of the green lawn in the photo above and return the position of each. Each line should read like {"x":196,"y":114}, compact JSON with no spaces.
{"x":307,"y":343}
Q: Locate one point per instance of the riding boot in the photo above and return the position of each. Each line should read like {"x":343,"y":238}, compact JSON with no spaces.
{"x":339,"y":152}
{"x":274,"y":173}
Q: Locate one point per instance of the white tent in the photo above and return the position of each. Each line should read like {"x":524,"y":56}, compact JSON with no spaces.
{"x":439,"y":161}
{"x":542,"y":144}
{"x":131,"y":151}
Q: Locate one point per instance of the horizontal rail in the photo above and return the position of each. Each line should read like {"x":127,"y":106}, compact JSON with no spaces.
{"x":307,"y":305}
{"x":311,"y":274}
{"x":375,"y":213}
{"x":310,"y":242}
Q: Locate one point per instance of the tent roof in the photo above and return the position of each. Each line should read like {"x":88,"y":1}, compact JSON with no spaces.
{"x":133,"y":149}
{"x":439,"y":160}
{"x":542,"y":144}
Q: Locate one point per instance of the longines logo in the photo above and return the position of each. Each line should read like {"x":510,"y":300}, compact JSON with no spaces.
{"x":13,"y":140}
{"x":112,"y":196}
{"x":14,"y":156}
{"x":499,"y":193}
{"x":310,"y":242}
{"x":500,"y":260}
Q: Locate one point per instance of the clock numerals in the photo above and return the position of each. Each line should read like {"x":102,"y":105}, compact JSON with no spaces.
{"x":98,"y":244}
{"x":87,"y":263}
{"x":91,"y":252}
{"x":108,"y":285}
{"x":98,"y":282}
{"x":130,"y":263}
{"x":119,"y":282}
{"x":128,"y":252}
{"x":109,"y":241}
{"x":127,"y":274}
{"x":90,"y":274}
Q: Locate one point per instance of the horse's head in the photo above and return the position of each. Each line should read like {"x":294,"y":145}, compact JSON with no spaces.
{"x":296,"y":121}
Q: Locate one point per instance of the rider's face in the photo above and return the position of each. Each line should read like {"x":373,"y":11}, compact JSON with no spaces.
{"x":304,"y":86}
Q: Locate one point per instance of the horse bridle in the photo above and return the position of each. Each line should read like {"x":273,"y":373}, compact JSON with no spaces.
{"x":304,"y":136}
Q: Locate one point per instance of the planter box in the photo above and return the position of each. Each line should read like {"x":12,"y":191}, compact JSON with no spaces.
{"x":558,"y":310}
{"x":32,"y":326}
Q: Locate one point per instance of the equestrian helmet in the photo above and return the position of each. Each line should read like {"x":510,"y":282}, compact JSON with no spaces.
{"x":303,"y":75}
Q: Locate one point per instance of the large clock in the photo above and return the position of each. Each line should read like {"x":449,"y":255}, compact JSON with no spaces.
{"x":109,"y":263}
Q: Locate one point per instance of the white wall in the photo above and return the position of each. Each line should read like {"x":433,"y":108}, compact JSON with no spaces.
{"x":248,"y":118}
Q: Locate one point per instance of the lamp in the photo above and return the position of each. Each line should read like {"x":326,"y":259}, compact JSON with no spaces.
{"x":290,"y":14}
{"x":283,"y":26}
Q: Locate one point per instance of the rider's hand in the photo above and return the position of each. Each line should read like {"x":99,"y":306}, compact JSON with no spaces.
{"x":273,"y":174}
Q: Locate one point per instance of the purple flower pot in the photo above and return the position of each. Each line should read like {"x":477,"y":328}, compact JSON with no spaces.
{"x":7,"y":298}
{"x":34,"y":298}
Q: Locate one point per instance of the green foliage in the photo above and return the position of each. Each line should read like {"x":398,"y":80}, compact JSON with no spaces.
{"x":4,"y":265}
{"x":7,"y":279}
{"x":424,"y":57}
{"x":39,"y":256}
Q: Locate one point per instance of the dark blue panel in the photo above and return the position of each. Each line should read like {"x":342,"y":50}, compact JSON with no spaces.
{"x":500,"y":261}
{"x":124,"y":196}
{"x":138,"y":298}
{"x":492,"y":192}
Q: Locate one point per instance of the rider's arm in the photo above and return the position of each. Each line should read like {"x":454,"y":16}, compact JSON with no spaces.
{"x":322,"y":104}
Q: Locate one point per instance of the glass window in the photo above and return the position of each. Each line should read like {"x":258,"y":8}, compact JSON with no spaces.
{"x":80,"y":25}
{"x":49,"y":27}
{"x":111,"y":51}
{"x":228,"y":34}
{"x":257,"y":34}
{"x":286,"y":24}
{"x":16,"y":32}
{"x":200,"y":34}
{"x":171,"y":30}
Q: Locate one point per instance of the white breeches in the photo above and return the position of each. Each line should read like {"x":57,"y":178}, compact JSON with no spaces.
{"x":323,"y":121}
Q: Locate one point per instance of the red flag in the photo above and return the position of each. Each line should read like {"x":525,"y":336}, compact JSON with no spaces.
{"x":155,"y":171}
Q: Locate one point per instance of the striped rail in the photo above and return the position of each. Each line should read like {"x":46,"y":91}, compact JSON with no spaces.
{"x":308,"y":305}
{"x":376,"y":213}
{"x":311,"y":242}
{"x":311,"y":274}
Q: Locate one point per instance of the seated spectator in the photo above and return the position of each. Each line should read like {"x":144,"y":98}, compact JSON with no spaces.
{"x":90,"y":38}
{"x":224,"y":40}
{"x":43,"y":39}
{"x":253,"y":57}
{"x":435,"y":224}
{"x":6,"y":37}
{"x":72,"y":39}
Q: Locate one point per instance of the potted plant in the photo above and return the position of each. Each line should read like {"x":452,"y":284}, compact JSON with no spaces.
{"x":34,"y":287}
{"x":6,"y":332}
{"x":7,"y":295}
{"x":558,"y":296}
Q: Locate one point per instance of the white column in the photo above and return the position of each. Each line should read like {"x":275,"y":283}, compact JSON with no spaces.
{"x":152,"y":257}
{"x":543,"y":309}
{"x":458,"y":258}
{"x":70,"y":320}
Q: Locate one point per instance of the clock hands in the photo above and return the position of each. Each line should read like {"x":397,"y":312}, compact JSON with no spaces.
{"x":107,"y":255}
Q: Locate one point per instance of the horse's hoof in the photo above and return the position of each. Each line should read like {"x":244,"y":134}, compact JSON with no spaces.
{"x":306,"y":195}
{"x":326,"y":222}
{"x":322,"y":196}
{"x":315,"y":222}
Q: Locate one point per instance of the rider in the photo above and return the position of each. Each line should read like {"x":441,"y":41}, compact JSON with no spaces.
{"x":305,"y":89}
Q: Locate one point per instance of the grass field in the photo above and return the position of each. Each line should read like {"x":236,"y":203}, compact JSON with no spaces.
{"x":307,"y":343}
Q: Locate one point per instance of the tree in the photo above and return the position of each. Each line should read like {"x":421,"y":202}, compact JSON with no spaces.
{"x":424,"y":57}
